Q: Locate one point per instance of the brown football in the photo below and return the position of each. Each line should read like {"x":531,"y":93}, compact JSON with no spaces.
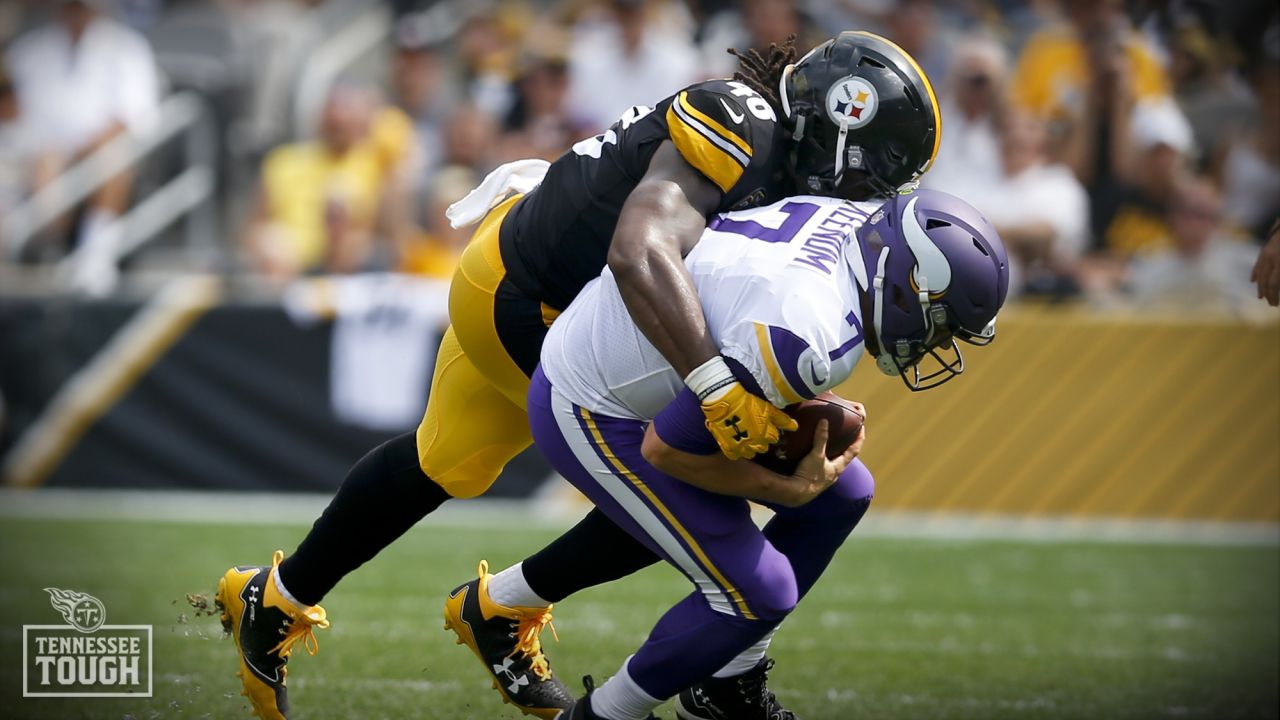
{"x":843,"y":423}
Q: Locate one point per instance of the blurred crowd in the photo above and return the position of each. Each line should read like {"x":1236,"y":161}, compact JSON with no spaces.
{"x":1128,"y":152}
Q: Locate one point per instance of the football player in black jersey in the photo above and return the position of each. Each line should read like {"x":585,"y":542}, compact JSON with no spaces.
{"x":854,"y":118}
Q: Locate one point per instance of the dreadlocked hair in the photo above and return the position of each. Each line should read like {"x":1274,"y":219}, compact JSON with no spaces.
{"x":763,"y":73}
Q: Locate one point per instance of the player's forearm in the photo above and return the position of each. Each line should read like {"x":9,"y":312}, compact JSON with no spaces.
{"x":646,"y":257}
{"x":717,"y":474}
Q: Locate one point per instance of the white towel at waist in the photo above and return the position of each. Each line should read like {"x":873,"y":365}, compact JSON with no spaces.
{"x":519,"y":176}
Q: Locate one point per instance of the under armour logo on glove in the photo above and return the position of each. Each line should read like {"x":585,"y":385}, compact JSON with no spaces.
{"x":517,"y":681}
{"x":738,"y":433}
{"x":743,"y":424}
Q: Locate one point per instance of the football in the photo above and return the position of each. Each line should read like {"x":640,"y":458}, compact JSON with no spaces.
{"x":843,"y":423}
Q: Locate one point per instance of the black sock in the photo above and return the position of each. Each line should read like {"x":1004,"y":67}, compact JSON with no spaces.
{"x":383,"y":495}
{"x":593,"y":552}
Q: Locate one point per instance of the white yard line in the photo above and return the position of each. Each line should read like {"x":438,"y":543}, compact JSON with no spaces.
{"x":553,"y":511}
{"x":216,"y":507}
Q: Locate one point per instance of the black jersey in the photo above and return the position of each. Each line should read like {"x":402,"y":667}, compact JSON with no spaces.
{"x":556,"y":239}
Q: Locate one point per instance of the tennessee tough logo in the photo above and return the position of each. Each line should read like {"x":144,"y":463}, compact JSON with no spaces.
{"x":85,"y":657}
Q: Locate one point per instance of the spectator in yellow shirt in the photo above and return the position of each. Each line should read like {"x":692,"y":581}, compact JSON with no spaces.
{"x":434,"y":251}
{"x":1056,"y":69}
{"x":319,"y":200}
{"x":1086,"y":78}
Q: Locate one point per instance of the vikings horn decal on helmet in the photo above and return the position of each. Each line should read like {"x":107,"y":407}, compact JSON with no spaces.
{"x":932,"y":273}
{"x":859,"y":103}
{"x":941,"y":274}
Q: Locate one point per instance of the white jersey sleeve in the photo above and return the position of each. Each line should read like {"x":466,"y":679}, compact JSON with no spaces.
{"x":784,"y":310}
{"x":779,"y":298}
{"x":791,"y":352}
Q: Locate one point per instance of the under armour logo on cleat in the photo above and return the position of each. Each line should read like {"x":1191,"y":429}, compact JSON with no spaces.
{"x":517,"y":681}
{"x":738,"y":433}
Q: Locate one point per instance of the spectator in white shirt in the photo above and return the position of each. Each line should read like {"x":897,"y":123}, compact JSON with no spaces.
{"x":972,"y":105}
{"x":625,"y":60}
{"x":1205,"y":271}
{"x":1251,"y":171}
{"x":83,"y":80}
{"x":1039,"y":208}
{"x":15,"y":150}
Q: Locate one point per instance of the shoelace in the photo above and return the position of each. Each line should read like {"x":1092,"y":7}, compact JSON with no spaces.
{"x":528,"y":635}
{"x":302,"y":627}
{"x":529,"y":642}
{"x":754,"y":687}
{"x":754,"y":684}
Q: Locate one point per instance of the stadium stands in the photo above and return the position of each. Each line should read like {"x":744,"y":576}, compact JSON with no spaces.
{"x":236,"y":179}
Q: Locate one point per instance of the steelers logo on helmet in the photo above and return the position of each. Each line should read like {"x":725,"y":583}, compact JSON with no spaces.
{"x":852,"y":99}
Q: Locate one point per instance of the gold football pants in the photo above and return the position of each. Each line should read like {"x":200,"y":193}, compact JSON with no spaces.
{"x":475,"y":420}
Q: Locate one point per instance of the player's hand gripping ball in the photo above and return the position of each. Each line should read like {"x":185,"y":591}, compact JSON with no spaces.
{"x":743,"y":424}
{"x":844,"y":422}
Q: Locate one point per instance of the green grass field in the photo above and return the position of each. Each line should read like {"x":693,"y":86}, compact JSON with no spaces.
{"x":897,"y":629}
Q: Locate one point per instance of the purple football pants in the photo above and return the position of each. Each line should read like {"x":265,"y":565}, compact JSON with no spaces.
{"x":746,"y":580}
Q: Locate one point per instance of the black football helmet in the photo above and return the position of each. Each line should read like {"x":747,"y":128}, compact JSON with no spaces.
{"x":859,"y":102}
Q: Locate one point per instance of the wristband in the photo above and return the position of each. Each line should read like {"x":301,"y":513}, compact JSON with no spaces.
{"x":711,"y":380}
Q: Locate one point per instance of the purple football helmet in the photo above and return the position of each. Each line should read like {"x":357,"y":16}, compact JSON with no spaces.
{"x":939,"y":274}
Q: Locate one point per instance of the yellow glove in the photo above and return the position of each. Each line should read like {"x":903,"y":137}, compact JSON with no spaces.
{"x":742,"y":424}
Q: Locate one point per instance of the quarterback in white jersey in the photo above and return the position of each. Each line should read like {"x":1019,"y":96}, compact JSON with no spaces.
{"x":778,"y":291}
{"x":793,"y":293}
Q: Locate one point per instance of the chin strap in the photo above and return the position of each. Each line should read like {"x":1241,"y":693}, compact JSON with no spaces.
{"x":797,"y":133}
{"x":782,"y":90}
{"x":884,"y":360}
{"x":887,"y":359}
{"x":840,"y":140}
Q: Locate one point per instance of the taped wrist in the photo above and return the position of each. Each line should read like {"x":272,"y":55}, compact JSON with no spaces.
{"x":711,"y":380}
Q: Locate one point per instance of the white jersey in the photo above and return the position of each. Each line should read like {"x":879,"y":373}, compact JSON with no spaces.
{"x":777,"y":286}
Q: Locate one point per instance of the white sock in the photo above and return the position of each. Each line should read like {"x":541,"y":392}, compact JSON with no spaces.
{"x":95,"y":271}
{"x":748,"y":659}
{"x":93,"y":226}
{"x":284,"y":592}
{"x":622,"y":699}
{"x":509,"y":588}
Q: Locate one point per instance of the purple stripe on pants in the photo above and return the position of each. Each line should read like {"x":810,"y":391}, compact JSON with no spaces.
{"x":770,"y":569}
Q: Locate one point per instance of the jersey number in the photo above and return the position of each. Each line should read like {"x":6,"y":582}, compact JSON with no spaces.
{"x":798,"y":213}
{"x":593,"y":146}
{"x":757,"y":105}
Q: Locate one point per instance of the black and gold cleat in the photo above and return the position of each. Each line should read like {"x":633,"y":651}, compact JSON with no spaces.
{"x":744,"y":697}
{"x":265,"y":626}
{"x":508,"y":642}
